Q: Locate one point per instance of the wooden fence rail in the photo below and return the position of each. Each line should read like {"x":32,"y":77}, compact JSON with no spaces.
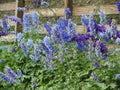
{"x":76,"y":11}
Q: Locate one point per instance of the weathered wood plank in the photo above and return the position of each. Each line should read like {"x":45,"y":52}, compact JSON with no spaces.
{"x":108,"y":9}
{"x":77,"y":11}
{"x":48,"y":12}
{"x":8,"y":6}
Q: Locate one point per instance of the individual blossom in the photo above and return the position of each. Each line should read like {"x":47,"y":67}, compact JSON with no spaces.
{"x":68,"y":13}
{"x":95,"y":76}
{"x":19,"y":73}
{"x":84,"y":20}
{"x":30,"y":43}
{"x":117,"y":41}
{"x":5,"y":25}
{"x":44,"y":3}
{"x":19,"y":36}
{"x":21,"y":9}
{"x":96,"y":64}
{"x":47,"y":27}
{"x":103,"y":50}
{"x":44,"y":48}
{"x":47,"y":42}
{"x":117,"y":76}
{"x":24,"y":48}
{"x":2,"y":60}
{"x":3,"y":33}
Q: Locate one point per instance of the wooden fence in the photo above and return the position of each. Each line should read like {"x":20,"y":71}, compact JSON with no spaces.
{"x":76,"y":11}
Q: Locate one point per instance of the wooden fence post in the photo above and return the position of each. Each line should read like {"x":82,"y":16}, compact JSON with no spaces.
{"x":19,"y":3}
{"x":68,"y":4}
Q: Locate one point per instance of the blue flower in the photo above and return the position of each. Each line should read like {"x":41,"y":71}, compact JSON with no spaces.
{"x":19,"y":73}
{"x":118,"y":41}
{"x":19,"y":37}
{"x":5,"y":25}
{"x":47,"y":27}
{"x":96,"y":64}
{"x":2,"y":60}
{"x":68,"y":13}
{"x":6,"y":78}
{"x":35,"y":18}
{"x":21,"y":9}
{"x":71,"y":28}
{"x":85,"y":20}
{"x":102,"y":17}
{"x":44,"y":48}
{"x":37,"y":53}
{"x":44,"y":3}
{"x":118,"y":6}
{"x":15,"y":19}
{"x":24,"y":48}
{"x":48,"y":44}
{"x":117,"y":76}
{"x":30,"y":43}
{"x":12,"y":74}
{"x":26,"y":23}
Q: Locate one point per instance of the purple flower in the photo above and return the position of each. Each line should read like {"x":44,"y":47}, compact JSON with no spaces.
{"x":12,"y":74}
{"x":3,"y":33}
{"x":44,"y":48}
{"x":109,"y":22}
{"x":13,"y":50}
{"x":118,"y":6}
{"x":6,"y":78}
{"x":19,"y":73}
{"x":15,"y":19}
{"x":96,"y":64}
{"x":68,"y":13}
{"x":47,"y":27}
{"x":5,"y":25}
{"x":24,"y":48}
